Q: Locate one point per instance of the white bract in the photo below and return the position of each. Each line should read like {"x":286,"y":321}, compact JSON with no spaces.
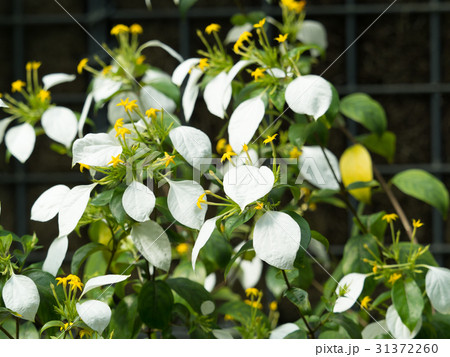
{"x":310,"y":95}
{"x":182,"y":70}
{"x":283,"y":330}
{"x":104,"y":87}
{"x":21,"y":295}
{"x":217,"y":95}
{"x":157,"y":43}
{"x":20,"y":141}
{"x":55,"y":255}
{"x":152,"y":242}
{"x":276,"y":239}
{"x":246,"y":184}
{"x":84,"y":113}
{"x":95,"y":149}
{"x":191,"y":93}
{"x":236,"y":31}
{"x":437,"y":285}
{"x":95,"y":314}
{"x":375,"y":330}
{"x":49,"y":203}
{"x":249,"y":272}
{"x":244,"y":122}
{"x":153,"y":98}
{"x":2,"y":104}
{"x":348,"y":290}
{"x":314,"y":167}
{"x":3,"y":125}
{"x":202,"y":238}
{"x":396,"y":326}
{"x":103,"y":280}
{"x":313,"y":33}
{"x":51,"y":80}
{"x":138,"y":201}
{"x":116,"y":112}
{"x":193,"y":144}
{"x":60,"y":124}
{"x":182,"y":202}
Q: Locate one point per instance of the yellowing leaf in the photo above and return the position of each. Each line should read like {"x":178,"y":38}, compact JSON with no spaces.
{"x":356,"y":166}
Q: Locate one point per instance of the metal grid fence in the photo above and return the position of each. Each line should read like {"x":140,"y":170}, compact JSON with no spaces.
{"x":98,"y":15}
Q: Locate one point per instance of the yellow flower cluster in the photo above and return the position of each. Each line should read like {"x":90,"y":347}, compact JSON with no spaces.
{"x":17,"y":86}
{"x":73,"y":281}
{"x":212,"y":28}
{"x":389,"y":217}
{"x":120,"y":130}
{"x":292,"y":5}
{"x":128,"y":105}
{"x":245,"y":36}
{"x":258,"y":73}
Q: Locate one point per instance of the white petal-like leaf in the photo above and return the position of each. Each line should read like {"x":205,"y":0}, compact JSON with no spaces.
{"x":375,"y":330}
{"x":250,"y":272}
{"x":396,"y":326}
{"x":309,"y":95}
{"x":155,"y":74}
{"x":153,"y":243}
{"x":3,"y":125}
{"x":55,"y":256}
{"x":313,"y":33}
{"x":21,"y":295}
{"x":103,"y":88}
{"x":180,"y":73}
{"x":156,"y":43}
{"x":217,"y":95}
{"x":210,"y":282}
{"x":73,"y":208}
{"x":60,"y":124}
{"x":276,"y":72}
{"x":138,"y":201}
{"x":193,"y":144}
{"x":245,"y":184}
{"x":236,"y":31}
{"x":84,"y":113}
{"x":191,"y":93}
{"x":182,"y":203}
{"x":49,"y":203}
{"x":437,"y":284}
{"x":314,"y":167}
{"x":116,"y":112}
{"x":276,"y":239}
{"x":202,"y":238}
{"x":95,"y":149}
{"x":51,"y":80}
{"x":153,"y":98}
{"x":283,"y":330}
{"x":244,"y":122}
{"x":103,"y":280}
{"x":20,"y":141}
{"x":352,"y":284}
{"x":222,"y":334}
{"x":96,"y":314}
{"x":3,"y":104}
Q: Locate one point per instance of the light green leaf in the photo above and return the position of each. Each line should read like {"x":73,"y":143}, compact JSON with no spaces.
{"x":383,"y":145}
{"x":437,"y":283}
{"x":408,"y":302}
{"x":194,"y":293}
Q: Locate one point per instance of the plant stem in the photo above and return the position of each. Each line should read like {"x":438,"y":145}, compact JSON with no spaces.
{"x":286,"y":279}
{"x":17,"y":328}
{"x":6,"y":332}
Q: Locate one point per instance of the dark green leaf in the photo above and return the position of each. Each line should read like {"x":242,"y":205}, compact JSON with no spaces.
{"x":426,"y":258}
{"x":362,"y":184}
{"x":50,"y":324}
{"x":423,"y":186}
{"x":408,"y":301}
{"x":383,"y":145}
{"x":82,"y":253}
{"x":167,"y":88}
{"x":355,"y":253}
{"x":246,"y":247}
{"x":300,"y":299}
{"x":333,"y":110}
{"x":237,"y":220}
{"x":116,"y":206}
{"x":216,"y":253}
{"x":241,"y":312}
{"x":155,"y":303}
{"x":381,"y":299}
{"x":320,"y":238}
{"x":194,"y":293}
{"x":125,"y":321}
{"x":103,"y":198}
{"x":375,"y":224}
{"x":298,"y":335}
{"x":161,"y":206}
{"x":353,"y":329}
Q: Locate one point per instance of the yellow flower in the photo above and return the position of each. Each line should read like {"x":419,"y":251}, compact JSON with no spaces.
{"x":245,"y":147}
{"x":74,"y":284}
{"x":220,"y":146}
{"x":228,"y":317}
{"x":294,"y":153}
{"x":83,"y":166}
{"x":270,"y":139}
{"x":118,"y":124}
{"x":417,"y":224}
{"x":43,"y":95}
{"x":17,"y":86}
{"x":292,"y":5}
{"x":394,"y":277}
{"x":260,"y":24}
{"x":281,"y":38}
{"x":389,"y":217}
{"x":201,"y":200}
{"x":119,"y":29}
{"x":122,"y":132}
{"x":151,"y":113}
{"x":365,"y":302}
{"x":212,"y":28}
{"x":85,"y":333}
{"x":140,"y":60}
{"x":243,"y":37}
{"x":123,"y":103}
{"x":115,"y":160}
{"x":182,"y":248}
{"x":228,"y":156}
{"x":62,"y":281}
{"x":259,"y":205}
{"x":273,"y":306}
{"x":252,"y":292}
{"x":168,"y":159}
{"x":66,"y":326}
{"x":136,"y":29}
{"x":82,"y":65}
{"x":73,"y":277}
{"x":254,"y":304}
{"x":131,"y":105}
{"x":106,"y":70}
{"x":203,"y":63}
{"x":258,"y":73}
{"x":375,"y":269}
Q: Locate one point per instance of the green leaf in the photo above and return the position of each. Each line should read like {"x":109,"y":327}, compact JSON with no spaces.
{"x":362,"y":184}
{"x":194,"y":293}
{"x":275,"y":282}
{"x":277,"y":98}
{"x":116,"y":206}
{"x":241,"y":312}
{"x":320,"y":238}
{"x":50,"y":324}
{"x":155,"y":303}
{"x":168,"y":88}
{"x":408,"y":301}
{"x":363,"y":109}
{"x":353,"y":329}
{"x":333,"y":110}
{"x":375,"y":224}
{"x":299,"y":50}
{"x":216,"y":253}
{"x":298,"y":335}
{"x":354,"y":253}
{"x":423,"y":186}
{"x":426,"y":258}
{"x":185,"y":5}
{"x":125,"y":321}
{"x":4,"y":314}
{"x":103,"y":198}
{"x":237,"y":220}
{"x":383,"y":145}
{"x":304,"y":228}
{"x":246,"y":247}
{"x":381,"y":298}
{"x":300,"y":299}
{"x":82,"y":253}
{"x":161,"y":206}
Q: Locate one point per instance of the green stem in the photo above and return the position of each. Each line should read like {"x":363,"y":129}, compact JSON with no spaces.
{"x":17,"y":328}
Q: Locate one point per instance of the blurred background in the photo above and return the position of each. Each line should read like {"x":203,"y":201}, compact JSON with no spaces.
{"x":403,"y":61}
